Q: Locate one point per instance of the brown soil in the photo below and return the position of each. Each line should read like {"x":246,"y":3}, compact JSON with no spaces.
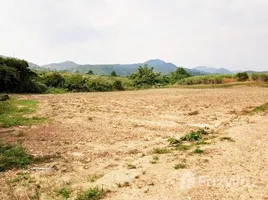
{"x":112,"y":135}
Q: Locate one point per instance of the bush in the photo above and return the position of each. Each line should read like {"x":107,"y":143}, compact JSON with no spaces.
{"x":99,"y":85}
{"x":145,"y":76}
{"x":54,"y":80}
{"x":117,"y":85}
{"x":179,"y":74}
{"x":15,"y":76}
{"x":242,"y":76}
{"x":92,"y":194}
{"x":208,"y":79}
{"x":76,"y":83}
{"x":259,"y":77}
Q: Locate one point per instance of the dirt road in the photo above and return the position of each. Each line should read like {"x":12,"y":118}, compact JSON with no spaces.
{"x":106,"y":140}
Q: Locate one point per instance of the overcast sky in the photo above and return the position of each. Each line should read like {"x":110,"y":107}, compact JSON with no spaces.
{"x":217,"y":33}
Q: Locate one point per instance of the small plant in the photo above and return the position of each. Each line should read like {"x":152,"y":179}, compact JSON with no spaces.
{"x":194,"y":135}
{"x":201,"y":142}
{"x":180,"y":166}
{"x":198,"y":151}
{"x":155,"y":159}
{"x":131,"y":166}
{"x":64,"y":192}
{"x":227,"y":139}
{"x":174,"y":141}
{"x":183,"y":147}
{"x":92,"y":194}
{"x":160,"y":151}
{"x":93,"y":177}
{"x":262,"y":108}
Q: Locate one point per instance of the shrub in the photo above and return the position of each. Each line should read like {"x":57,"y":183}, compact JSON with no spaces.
{"x":145,"y":76}
{"x":180,"y":166}
{"x":98,"y":85}
{"x":15,"y":76}
{"x":76,"y":83}
{"x":92,"y":194}
{"x":194,"y":135}
{"x":179,"y":74}
{"x":242,"y":76}
{"x":117,"y":85}
{"x":259,"y":77}
{"x":54,"y":80}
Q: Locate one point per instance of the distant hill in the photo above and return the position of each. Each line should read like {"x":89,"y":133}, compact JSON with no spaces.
{"x":120,"y":69}
{"x":126,"y":69}
{"x":213,"y":70}
{"x":61,"y":66}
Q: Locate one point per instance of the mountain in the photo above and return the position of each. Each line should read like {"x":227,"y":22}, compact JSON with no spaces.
{"x":120,"y":69}
{"x":213,"y":70}
{"x":61,"y":66}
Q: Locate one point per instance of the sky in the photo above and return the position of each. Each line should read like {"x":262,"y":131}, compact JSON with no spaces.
{"x":215,"y":33}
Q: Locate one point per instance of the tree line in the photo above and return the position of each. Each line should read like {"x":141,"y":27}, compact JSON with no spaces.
{"x":16,"y":77}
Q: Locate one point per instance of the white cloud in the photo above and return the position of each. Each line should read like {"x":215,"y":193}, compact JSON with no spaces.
{"x":222,"y":33}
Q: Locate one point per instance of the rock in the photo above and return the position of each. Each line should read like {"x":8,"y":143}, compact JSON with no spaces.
{"x":4,"y":97}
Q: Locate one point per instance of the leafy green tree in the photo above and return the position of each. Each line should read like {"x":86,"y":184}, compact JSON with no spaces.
{"x":15,"y":76}
{"x":179,"y":74}
{"x":54,"y":80}
{"x":145,"y":76}
{"x":242,"y":76}
{"x":113,"y":73}
{"x":90,"y":72}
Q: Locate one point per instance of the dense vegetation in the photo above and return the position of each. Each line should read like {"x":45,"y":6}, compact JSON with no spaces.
{"x":15,"y":76}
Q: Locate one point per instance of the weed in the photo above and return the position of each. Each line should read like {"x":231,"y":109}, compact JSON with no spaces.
{"x":183,"y":147}
{"x":201,"y":142}
{"x":93,"y":177}
{"x":194,"y":135}
{"x":262,"y":108}
{"x":180,"y":166}
{"x":174,"y":141}
{"x":19,"y":178}
{"x":198,"y":151}
{"x":131,"y":166}
{"x":64,"y":192}
{"x":227,"y":139}
{"x":155,"y":157}
{"x":160,"y":151}
{"x":92,"y":194}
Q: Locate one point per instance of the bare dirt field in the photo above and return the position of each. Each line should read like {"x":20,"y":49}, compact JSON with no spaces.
{"x":106,"y":140}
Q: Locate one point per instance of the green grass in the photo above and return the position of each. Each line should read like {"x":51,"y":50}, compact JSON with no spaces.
{"x":64,"y":192}
{"x":194,"y":135}
{"x":92,"y":194}
{"x":198,"y":151}
{"x":262,"y":108}
{"x":13,"y":156}
{"x":13,"y":113}
{"x":53,"y":90}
